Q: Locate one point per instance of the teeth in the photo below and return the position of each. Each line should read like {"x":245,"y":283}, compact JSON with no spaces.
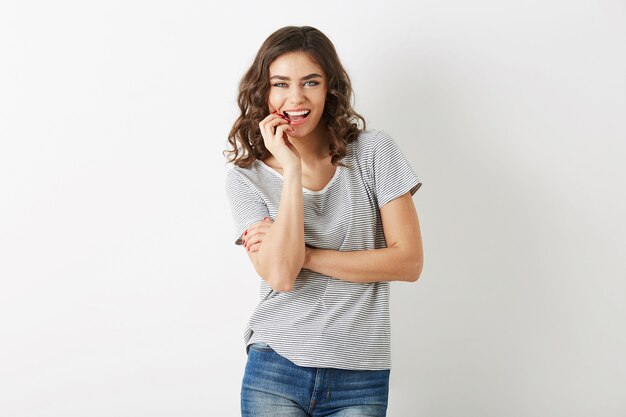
{"x":298,"y":113}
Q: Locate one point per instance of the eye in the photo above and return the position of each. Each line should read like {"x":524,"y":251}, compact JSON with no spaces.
{"x":314,"y":82}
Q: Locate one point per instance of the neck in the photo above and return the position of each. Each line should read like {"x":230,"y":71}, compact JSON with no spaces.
{"x":314,"y":148}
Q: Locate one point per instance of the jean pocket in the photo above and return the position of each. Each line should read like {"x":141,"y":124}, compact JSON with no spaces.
{"x":260,"y":347}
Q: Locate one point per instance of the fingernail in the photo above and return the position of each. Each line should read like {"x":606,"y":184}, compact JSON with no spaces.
{"x":248,"y":249}
{"x":245,"y":233}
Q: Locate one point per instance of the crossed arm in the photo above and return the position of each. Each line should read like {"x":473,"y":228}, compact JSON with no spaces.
{"x":401,"y":260}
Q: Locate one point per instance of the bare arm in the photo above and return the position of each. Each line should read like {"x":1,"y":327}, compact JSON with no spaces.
{"x":401,"y":260}
{"x":281,"y":255}
{"x":388,"y":264}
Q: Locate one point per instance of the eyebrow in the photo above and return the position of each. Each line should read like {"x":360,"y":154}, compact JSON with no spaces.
{"x":306,"y":77}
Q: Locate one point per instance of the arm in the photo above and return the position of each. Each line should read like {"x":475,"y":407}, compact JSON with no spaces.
{"x":401,"y":260}
{"x":281,"y":256}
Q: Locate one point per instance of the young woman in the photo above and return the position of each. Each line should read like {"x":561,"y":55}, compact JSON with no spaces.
{"x":324,"y":211}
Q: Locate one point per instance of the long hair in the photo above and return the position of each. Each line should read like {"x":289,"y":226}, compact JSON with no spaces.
{"x":339,"y":117}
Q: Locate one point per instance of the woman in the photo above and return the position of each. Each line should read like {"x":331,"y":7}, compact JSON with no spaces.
{"x":325,"y":213}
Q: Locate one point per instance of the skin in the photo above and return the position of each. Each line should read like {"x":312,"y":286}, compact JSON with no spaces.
{"x":305,"y":146}
{"x":305,"y":149}
{"x":401,"y":260}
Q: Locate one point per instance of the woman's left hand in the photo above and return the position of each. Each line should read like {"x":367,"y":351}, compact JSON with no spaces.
{"x":254,"y":235}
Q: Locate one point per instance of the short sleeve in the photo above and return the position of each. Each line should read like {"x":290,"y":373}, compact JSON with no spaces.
{"x":246,"y":205}
{"x":392,"y":173}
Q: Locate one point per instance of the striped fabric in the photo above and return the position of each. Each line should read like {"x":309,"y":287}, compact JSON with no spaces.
{"x":324,"y":321}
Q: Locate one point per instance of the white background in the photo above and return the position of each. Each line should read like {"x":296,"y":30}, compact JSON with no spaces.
{"x":122,"y":293}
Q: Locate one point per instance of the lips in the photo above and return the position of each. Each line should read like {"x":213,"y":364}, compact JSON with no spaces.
{"x":299,"y":114}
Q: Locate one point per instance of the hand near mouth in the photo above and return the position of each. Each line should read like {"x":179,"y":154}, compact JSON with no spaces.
{"x":274,"y":129}
{"x":281,"y":115}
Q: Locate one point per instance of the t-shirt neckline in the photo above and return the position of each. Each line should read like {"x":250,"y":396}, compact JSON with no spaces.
{"x":304,"y":189}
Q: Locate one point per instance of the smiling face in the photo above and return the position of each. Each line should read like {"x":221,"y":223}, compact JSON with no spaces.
{"x":297,"y":85}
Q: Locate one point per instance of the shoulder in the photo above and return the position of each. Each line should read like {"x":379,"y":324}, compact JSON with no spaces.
{"x":369,"y":143}
{"x":368,"y":135}
{"x":237,"y":176}
{"x":368,"y":139}
{"x":252,"y":171}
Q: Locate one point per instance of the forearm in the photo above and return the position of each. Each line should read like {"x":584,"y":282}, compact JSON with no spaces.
{"x":387,"y":264}
{"x":281,"y":255}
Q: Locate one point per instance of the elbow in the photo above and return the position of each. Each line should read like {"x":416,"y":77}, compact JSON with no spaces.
{"x":280,"y":283}
{"x":283,"y":279}
{"x":277,"y":281}
{"x":280,"y":286}
{"x":416,"y":271}
{"x":411,"y":265}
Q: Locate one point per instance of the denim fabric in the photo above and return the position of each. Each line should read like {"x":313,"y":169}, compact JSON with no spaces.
{"x":273,"y":386}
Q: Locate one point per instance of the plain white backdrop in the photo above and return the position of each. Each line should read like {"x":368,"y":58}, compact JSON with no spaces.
{"x":122,"y":293}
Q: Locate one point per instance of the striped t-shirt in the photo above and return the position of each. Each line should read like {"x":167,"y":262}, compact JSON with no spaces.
{"x":324,"y":321}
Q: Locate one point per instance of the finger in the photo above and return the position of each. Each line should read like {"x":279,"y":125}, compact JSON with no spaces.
{"x":250,"y":236}
{"x":255,"y":227}
{"x":257,"y":233}
{"x":264,"y":123}
{"x":249,"y":241}
{"x":279,"y":114}
{"x":270,"y":127}
{"x":256,"y":238}
{"x":258,"y":230}
{"x":280,"y":130}
{"x":279,"y":118}
{"x":272,"y":116}
{"x":276,"y":122}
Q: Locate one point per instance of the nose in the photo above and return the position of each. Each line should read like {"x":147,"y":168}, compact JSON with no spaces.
{"x":296,"y":95}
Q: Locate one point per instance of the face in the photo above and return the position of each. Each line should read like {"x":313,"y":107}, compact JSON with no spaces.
{"x":297,"y":83}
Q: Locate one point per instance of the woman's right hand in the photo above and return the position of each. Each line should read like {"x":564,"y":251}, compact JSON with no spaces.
{"x":274,"y":129}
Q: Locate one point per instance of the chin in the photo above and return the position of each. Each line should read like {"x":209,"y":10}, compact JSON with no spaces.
{"x":301,"y":132}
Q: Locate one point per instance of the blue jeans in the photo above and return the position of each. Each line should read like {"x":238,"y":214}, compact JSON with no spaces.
{"x":273,"y":386}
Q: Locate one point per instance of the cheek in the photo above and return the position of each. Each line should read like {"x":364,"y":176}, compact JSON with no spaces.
{"x":321,"y":98}
{"x":274,"y":100}
{"x":321,"y":103}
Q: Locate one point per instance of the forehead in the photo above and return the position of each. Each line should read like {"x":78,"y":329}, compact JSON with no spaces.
{"x":294,"y":64}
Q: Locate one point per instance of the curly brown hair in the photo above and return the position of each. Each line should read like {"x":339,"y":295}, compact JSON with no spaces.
{"x":339,"y":117}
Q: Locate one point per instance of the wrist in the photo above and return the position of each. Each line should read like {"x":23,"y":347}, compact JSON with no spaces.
{"x":293,"y":169}
{"x":307,"y":256}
